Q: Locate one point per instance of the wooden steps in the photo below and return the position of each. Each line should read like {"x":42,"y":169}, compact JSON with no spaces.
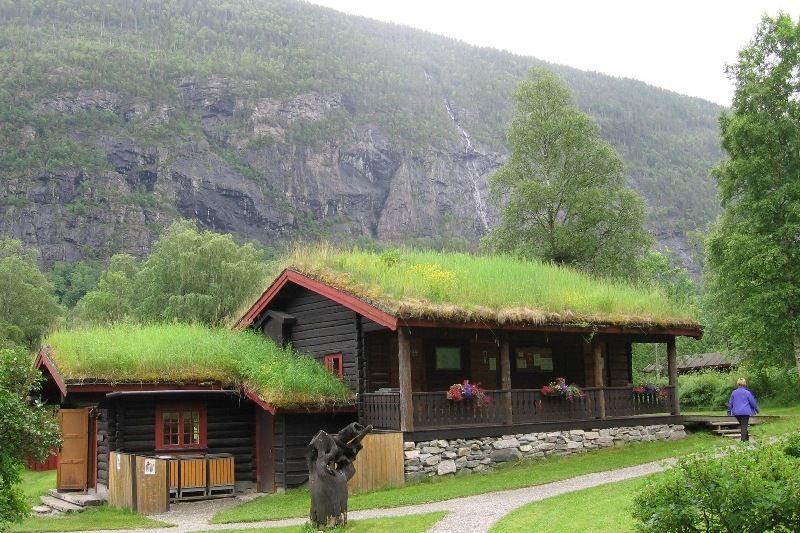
{"x":724,"y":426}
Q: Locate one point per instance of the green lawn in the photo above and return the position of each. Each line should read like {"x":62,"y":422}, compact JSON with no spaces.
{"x":35,"y":484}
{"x":295,"y":503}
{"x":418,"y":523}
{"x":607,"y":508}
{"x":603,"y":509}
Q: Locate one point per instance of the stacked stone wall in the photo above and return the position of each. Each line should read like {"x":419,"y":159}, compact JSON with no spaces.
{"x":463,"y":456}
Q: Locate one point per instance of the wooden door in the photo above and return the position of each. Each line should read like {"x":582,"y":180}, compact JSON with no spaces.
{"x":485,"y":364}
{"x":266,"y":462}
{"x":73,"y":458}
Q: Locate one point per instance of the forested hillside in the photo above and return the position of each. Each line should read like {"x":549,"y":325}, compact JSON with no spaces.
{"x":277,"y":119}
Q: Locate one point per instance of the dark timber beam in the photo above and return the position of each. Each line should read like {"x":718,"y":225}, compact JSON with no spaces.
{"x":406,"y":390}
{"x":672,"y":367}
{"x":597,"y":352}
{"x":505,"y":379}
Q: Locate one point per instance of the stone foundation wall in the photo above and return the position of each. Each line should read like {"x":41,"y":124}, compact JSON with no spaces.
{"x":463,"y":456}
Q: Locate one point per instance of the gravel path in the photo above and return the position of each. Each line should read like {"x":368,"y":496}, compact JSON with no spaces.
{"x":471,"y":514}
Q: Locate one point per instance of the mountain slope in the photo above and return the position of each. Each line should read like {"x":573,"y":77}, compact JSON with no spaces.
{"x":275,"y":119}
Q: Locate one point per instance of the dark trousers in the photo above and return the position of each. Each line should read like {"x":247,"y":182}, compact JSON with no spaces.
{"x":743,"y":421}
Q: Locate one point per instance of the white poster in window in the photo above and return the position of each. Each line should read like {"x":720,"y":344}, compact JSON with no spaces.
{"x":522,"y":362}
{"x":149,"y":467}
{"x":546,"y":363}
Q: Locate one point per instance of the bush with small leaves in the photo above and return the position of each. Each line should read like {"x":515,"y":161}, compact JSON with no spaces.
{"x":27,"y":429}
{"x":747,"y":490}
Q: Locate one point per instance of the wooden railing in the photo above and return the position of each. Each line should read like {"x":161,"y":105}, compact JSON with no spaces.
{"x":381,"y":409}
{"x":434,"y":410}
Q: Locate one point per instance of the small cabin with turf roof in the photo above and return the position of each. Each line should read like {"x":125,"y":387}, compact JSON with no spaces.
{"x":403,"y":327}
{"x":187,"y":390}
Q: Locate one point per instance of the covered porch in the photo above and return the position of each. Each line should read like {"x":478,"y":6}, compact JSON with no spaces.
{"x":408,"y":372}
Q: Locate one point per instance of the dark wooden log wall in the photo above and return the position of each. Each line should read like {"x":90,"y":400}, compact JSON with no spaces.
{"x":378,"y":346}
{"x":323,"y":327}
{"x":230,"y":429}
{"x":619,"y":364}
{"x":292,"y":433}
{"x":105,"y":433}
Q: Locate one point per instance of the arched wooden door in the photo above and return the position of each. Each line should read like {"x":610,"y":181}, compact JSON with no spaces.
{"x":72,"y":459}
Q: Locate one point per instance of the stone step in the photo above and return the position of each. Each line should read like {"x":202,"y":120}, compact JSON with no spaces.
{"x":41,"y":509}
{"x":77,"y":498}
{"x":60,"y":505}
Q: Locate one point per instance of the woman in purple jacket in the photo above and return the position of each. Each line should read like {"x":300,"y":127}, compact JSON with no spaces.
{"x":742,"y":405}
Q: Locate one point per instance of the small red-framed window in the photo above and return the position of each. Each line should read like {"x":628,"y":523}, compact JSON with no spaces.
{"x":180,"y":427}
{"x":335,"y":364}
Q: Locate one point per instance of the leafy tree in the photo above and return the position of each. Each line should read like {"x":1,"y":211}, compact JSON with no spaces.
{"x":27,"y":304}
{"x":564,"y":187}
{"x":73,"y":280}
{"x":27,"y":428}
{"x":658,"y":267}
{"x":112,"y":299}
{"x":753,"y":252}
{"x":190,"y":276}
{"x":196,"y":276}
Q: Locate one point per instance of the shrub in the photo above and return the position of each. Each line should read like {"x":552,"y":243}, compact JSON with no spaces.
{"x":773,"y":383}
{"x":706,"y":390}
{"x":711,"y":389}
{"x":747,"y":490}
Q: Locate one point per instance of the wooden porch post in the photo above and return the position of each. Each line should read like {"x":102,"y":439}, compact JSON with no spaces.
{"x":505,"y":380}
{"x":597,"y":352}
{"x":672,"y":367}
{"x":406,"y":391}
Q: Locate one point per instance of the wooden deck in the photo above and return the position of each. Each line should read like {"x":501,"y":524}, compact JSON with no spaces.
{"x":432,"y":410}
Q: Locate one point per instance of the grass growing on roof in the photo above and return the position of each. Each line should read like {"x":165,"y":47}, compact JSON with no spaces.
{"x":184,"y":353}
{"x":457,"y":286}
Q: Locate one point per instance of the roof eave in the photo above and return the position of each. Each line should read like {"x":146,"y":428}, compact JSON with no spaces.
{"x":674,"y":331}
{"x":43,"y":359}
{"x":339,"y":296}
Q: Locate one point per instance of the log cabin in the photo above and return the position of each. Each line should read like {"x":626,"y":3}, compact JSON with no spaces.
{"x":398,"y":330}
{"x":186,"y":391}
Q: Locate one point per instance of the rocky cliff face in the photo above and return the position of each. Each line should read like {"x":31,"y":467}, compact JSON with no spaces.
{"x":249,"y":175}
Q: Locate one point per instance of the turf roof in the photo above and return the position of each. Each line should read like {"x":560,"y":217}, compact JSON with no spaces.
{"x":413,"y":284}
{"x":193,"y":354}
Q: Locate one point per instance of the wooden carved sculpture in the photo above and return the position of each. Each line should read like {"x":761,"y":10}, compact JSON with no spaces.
{"x":330,"y":466}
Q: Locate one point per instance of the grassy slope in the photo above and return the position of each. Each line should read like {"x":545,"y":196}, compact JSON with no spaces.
{"x":295,"y":503}
{"x":607,"y":508}
{"x":194,"y":353}
{"x":35,"y":484}
{"x":416,"y":283}
{"x":417,"y":523}
{"x":603,"y":509}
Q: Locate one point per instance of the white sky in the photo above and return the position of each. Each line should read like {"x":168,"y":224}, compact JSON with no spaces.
{"x":675,"y":44}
